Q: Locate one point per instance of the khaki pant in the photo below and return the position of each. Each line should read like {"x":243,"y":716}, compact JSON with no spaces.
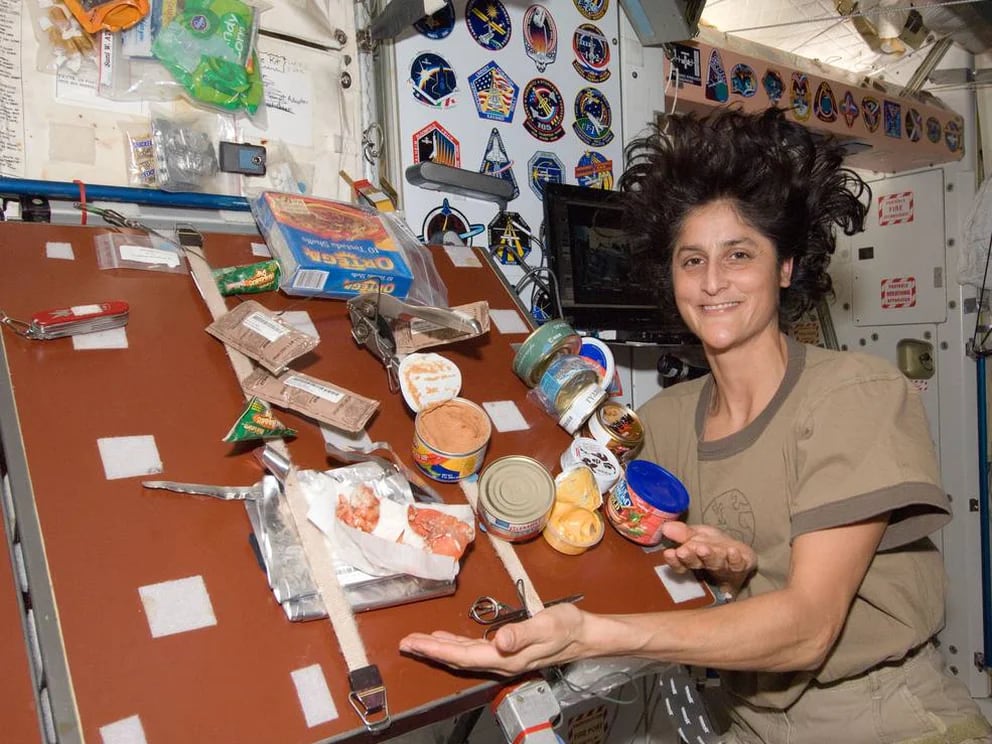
{"x":915,"y":702}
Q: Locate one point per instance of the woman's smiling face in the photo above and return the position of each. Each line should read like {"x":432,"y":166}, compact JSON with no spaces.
{"x":726,"y":277}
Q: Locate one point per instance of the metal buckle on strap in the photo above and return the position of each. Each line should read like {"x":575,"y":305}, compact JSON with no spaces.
{"x":368,"y":697}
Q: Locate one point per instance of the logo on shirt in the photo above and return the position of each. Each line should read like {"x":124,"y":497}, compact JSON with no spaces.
{"x":731,"y":512}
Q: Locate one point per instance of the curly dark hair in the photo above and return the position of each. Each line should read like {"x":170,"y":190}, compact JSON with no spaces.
{"x":783,"y":180}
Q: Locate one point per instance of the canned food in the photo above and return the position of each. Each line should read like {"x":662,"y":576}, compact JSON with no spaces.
{"x":604,"y":465}
{"x":541,"y":347}
{"x":515,"y":497}
{"x":450,"y":439}
{"x":643,"y":500}
{"x":572,"y":530}
{"x":565,"y":379}
{"x":617,"y":427}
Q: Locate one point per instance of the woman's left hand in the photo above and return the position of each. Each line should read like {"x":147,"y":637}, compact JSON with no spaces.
{"x":547,"y":638}
{"x":702,"y":547}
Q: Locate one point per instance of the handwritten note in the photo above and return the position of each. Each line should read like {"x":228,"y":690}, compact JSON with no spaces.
{"x":289,"y":109}
{"x":11,"y":91}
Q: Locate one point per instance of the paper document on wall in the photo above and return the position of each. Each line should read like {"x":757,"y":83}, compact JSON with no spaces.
{"x":289,"y":95}
{"x":11,"y":91}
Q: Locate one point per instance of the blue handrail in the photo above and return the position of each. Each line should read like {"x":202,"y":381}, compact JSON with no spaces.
{"x":983,"y":507}
{"x":67,"y":191}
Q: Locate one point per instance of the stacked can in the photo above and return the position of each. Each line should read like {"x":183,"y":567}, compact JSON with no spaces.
{"x":568,"y":386}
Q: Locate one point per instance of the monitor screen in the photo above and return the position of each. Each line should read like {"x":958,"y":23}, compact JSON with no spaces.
{"x":604,"y":282}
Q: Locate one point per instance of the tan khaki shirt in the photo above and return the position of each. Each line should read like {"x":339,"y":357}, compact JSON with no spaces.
{"x":844,"y":438}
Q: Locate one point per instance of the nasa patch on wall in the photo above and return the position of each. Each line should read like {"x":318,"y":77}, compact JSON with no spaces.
{"x":592,"y":53}
{"x":716,"y":79}
{"x":494,"y":93}
{"x":773,"y":85}
{"x":743,"y":81}
{"x":871,"y":112}
{"x":495,"y":162}
{"x":688,"y":63}
{"x":445,"y":225}
{"x":594,"y":171}
{"x":893,"y":119}
{"x":914,"y":125}
{"x":593,"y":118}
{"x":438,"y":145}
{"x":438,"y":25}
{"x":433,"y":80}
{"x":544,"y":168}
{"x":952,"y":136}
{"x":544,"y":109}
{"x":489,"y":23}
{"x":540,"y":36}
{"x":801,"y":98}
{"x":509,"y":238}
{"x":849,"y":109}
{"x":824,"y":105}
{"x":933,"y":129}
{"x":592,"y":9}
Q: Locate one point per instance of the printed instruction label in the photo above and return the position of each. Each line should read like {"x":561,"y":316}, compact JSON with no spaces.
{"x":895,"y":209}
{"x":144,"y":254}
{"x":898,"y":292}
{"x":321,"y":391}
{"x":264,"y":326}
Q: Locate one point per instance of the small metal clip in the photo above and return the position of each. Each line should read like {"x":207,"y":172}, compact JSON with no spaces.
{"x":368,"y":697}
{"x":17,"y":326}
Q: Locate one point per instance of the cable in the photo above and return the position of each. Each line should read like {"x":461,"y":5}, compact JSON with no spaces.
{"x":981,"y":301}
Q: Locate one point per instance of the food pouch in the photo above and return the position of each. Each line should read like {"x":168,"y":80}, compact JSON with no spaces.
{"x":315,"y":398}
{"x":248,"y":279}
{"x":260,"y":334}
{"x":257,"y":422}
{"x":208,"y":47}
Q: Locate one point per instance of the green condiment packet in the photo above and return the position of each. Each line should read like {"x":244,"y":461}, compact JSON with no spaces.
{"x":249,"y":279}
{"x":257,"y":422}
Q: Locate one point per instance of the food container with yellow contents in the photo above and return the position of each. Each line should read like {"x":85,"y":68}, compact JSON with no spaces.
{"x":450,"y":439}
{"x":515,"y":497}
{"x":604,"y":465}
{"x":618,"y":427}
{"x":572,"y":530}
{"x":577,"y":486}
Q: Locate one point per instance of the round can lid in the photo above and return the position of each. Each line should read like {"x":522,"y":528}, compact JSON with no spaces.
{"x":516,"y":489}
{"x":657,"y":486}
{"x":545,"y":342}
{"x":600,"y":353}
{"x":428,"y":379}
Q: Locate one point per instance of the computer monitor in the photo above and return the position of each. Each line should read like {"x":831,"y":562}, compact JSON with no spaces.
{"x":605,"y":283}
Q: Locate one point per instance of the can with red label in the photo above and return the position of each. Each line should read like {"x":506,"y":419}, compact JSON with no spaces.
{"x":643,"y":500}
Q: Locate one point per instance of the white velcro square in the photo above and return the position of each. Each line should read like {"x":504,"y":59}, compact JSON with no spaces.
{"x":127,"y":457}
{"x":115,"y":338}
{"x":261,"y":250}
{"x":462,"y":256}
{"x":177,"y":606}
{"x":681,"y":587}
{"x":124,"y":731}
{"x":505,"y":415}
{"x":345,"y":440}
{"x":314,"y":695}
{"x":60,"y":250}
{"x":508,"y":322}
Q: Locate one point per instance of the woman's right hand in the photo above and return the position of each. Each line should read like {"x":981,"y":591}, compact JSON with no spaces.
{"x":729,"y":562}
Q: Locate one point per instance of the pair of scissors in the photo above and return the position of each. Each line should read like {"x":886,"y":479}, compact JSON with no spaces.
{"x":494,"y":614}
{"x":115,"y":218}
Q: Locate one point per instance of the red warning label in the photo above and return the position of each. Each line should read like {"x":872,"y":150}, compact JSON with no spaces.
{"x":895,"y":209}
{"x":898,"y":292}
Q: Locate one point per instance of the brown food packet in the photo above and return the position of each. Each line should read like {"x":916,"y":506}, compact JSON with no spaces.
{"x":262,"y":335}
{"x":415,"y":334}
{"x":320,"y":400}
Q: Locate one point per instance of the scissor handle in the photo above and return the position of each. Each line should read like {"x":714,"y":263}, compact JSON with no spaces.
{"x":486,"y":610}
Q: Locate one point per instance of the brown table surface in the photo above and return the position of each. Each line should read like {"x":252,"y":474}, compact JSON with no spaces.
{"x":105,"y":538}
{"x":18,"y":708}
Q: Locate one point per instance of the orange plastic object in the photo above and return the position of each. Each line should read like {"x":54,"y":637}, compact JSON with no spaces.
{"x":112,"y":15}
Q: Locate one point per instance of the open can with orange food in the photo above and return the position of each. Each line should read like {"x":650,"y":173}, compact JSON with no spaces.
{"x":450,"y":439}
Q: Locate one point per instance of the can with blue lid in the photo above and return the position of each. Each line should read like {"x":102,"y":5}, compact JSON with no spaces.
{"x":643,"y":500}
